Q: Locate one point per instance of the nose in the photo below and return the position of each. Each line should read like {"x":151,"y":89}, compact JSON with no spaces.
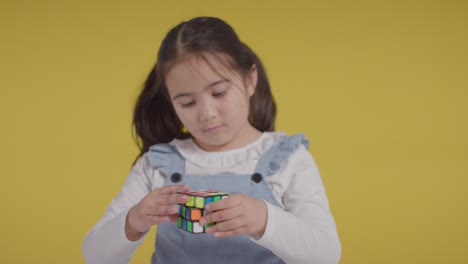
{"x":208,"y":110}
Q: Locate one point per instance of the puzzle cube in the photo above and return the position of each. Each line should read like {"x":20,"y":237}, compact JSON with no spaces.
{"x":191,"y":212}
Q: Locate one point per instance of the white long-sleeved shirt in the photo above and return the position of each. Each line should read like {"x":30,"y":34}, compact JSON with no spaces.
{"x":303,"y":231}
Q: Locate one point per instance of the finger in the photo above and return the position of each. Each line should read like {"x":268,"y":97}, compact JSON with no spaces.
{"x":176,"y":198}
{"x":162,"y":210}
{"x":229,"y":202}
{"x":221,"y":215}
{"x":170,"y":189}
{"x":156,"y":220}
{"x":229,"y":233}
{"x":171,"y":199}
{"x":225,"y":226}
{"x":173,"y":218}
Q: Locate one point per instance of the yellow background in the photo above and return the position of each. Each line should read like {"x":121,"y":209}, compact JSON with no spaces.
{"x":379,"y":87}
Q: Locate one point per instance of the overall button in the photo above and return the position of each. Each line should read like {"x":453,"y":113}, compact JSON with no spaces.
{"x":257,"y":177}
{"x":176,"y":177}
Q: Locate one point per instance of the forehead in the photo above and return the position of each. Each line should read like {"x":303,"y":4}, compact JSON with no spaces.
{"x":199,"y":70}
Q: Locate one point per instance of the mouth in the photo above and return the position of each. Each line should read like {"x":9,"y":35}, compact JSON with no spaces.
{"x":212,"y":129}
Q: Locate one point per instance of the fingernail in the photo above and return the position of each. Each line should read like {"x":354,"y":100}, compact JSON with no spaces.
{"x":208,"y":207}
{"x":202,"y":222}
{"x":209,"y":230}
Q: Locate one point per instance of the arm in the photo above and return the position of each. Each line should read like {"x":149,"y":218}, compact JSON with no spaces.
{"x":305,"y":232}
{"x":107,"y":242}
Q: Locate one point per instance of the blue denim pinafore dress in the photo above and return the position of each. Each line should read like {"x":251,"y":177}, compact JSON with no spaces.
{"x":174,"y":245}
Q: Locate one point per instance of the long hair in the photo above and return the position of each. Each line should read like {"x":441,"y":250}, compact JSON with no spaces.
{"x":154,"y":118}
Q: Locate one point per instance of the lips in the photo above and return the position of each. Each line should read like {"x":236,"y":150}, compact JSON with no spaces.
{"x":212,"y":129}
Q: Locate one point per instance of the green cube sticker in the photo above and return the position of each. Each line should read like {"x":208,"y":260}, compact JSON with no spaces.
{"x":179,"y":221}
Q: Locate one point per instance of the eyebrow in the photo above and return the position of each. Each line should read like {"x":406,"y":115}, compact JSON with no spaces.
{"x":206,"y":88}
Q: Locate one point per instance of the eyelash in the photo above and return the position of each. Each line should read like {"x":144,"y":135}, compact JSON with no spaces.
{"x":220,"y":94}
{"x":188,"y":104}
{"x":217,"y":95}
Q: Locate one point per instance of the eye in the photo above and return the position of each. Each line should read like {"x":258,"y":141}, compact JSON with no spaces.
{"x":220,"y":93}
{"x":188,"y":104}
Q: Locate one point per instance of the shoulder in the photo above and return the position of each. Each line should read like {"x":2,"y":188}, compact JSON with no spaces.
{"x":296,"y":140}
{"x":297,"y":145}
{"x":143,"y":163}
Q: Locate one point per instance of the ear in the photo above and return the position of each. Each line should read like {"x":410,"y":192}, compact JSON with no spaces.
{"x":251,"y":80}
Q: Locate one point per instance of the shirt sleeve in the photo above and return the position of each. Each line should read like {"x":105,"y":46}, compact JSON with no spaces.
{"x":106,"y":242}
{"x":305,"y":231}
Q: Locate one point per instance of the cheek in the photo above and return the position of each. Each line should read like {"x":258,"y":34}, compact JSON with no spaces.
{"x":186,"y":116}
{"x":238,"y":111}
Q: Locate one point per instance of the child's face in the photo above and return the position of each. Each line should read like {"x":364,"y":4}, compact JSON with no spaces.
{"x":214,"y":108}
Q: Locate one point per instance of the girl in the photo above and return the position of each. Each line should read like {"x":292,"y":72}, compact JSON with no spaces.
{"x":205,"y":119}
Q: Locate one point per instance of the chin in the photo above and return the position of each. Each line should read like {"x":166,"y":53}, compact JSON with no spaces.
{"x":214,"y":144}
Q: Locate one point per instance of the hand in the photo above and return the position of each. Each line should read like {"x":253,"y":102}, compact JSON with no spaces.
{"x":239,"y":214}
{"x":156,"y":207}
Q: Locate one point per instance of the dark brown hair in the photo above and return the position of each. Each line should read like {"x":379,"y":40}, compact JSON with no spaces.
{"x":154,"y":118}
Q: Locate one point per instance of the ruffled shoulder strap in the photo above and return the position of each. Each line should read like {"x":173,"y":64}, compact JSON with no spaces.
{"x":271,"y":161}
{"x":166,"y":158}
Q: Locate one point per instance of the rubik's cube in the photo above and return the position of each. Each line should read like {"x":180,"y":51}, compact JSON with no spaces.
{"x":191,"y":212}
